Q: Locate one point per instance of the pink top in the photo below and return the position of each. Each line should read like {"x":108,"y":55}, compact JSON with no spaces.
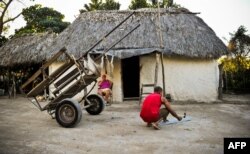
{"x":105,"y":84}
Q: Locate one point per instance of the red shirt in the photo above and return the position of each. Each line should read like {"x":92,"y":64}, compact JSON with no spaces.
{"x":150,"y":110}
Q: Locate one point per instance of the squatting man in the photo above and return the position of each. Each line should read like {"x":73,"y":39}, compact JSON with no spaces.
{"x":151,"y":111}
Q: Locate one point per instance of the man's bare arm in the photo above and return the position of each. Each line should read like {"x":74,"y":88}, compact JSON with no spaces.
{"x":169,"y":108}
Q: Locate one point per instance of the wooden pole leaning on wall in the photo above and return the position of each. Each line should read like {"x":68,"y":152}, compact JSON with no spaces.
{"x":161,"y":46}
{"x":156,"y":68}
{"x":163,"y":75}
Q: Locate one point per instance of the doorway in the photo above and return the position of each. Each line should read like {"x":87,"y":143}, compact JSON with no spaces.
{"x":131,"y":77}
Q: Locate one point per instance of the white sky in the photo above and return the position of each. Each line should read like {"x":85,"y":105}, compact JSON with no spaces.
{"x":223,"y":16}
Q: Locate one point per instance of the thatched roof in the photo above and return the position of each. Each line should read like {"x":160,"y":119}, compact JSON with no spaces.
{"x":183,"y":33}
{"x":26,"y":49}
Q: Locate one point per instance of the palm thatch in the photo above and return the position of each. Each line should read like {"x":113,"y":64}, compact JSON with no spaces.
{"x":183,"y":34}
{"x":26,"y":49}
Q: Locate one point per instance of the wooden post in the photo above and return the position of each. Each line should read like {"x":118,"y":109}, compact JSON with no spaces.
{"x":161,"y":46}
{"x":159,"y":24}
{"x":44,"y":77}
{"x":226,"y":81}
{"x":14,"y":86}
{"x":8,"y":83}
{"x":156,"y":68}
{"x":220,"y":81}
{"x":163,"y":75}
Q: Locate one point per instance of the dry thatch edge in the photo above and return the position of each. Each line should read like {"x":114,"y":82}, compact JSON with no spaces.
{"x":127,"y":53}
{"x":184,"y":34}
{"x":147,"y":10}
{"x":26,"y":49}
{"x":95,"y":24}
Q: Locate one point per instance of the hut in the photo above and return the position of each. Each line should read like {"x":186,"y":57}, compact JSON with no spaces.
{"x":21,"y":56}
{"x":26,"y":49}
{"x":188,"y":45}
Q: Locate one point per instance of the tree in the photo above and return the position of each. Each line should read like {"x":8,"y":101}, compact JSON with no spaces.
{"x":137,"y":4}
{"x":4,"y":17}
{"x":111,"y":5}
{"x":40,"y":19}
{"x":3,"y":39}
{"x":239,"y":43}
{"x":94,"y":5}
{"x":164,"y":4}
{"x":99,"y":5}
{"x":239,"y":51}
{"x":237,"y":64}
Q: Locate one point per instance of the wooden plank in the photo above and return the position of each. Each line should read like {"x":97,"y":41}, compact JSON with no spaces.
{"x":45,"y":83}
{"x":148,"y":85}
{"x":146,"y":93}
{"x":39,"y":88}
{"x":47,"y":64}
{"x":64,"y":84}
{"x":75,"y":88}
{"x":66,"y":77}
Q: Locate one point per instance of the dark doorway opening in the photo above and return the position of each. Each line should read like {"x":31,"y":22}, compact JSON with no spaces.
{"x":131,"y":77}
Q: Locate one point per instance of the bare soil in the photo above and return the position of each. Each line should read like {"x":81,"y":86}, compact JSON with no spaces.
{"x":119,"y":129}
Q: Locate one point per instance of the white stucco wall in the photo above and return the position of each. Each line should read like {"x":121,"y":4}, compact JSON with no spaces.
{"x":117,"y":80}
{"x":185,"y":79}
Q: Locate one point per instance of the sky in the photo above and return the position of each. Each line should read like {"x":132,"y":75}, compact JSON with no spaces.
{"x":223,"y":16}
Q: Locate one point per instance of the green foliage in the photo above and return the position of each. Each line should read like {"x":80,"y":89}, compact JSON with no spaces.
{"x":239,"y":52}
{"x":5,"y":16}
{"x":164,"y":4}
{"x":99,"y":5}
{"x":94,"y":5}
{"x":41,"y":19}
{"x":237,"y":64}
{"x":111,"y":5}
{"x":137,"y":4}
{"x":3,"y":39}
{"x":239,"y":44}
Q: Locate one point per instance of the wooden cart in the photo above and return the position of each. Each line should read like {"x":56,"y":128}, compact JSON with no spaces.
{"x":68,"y":80}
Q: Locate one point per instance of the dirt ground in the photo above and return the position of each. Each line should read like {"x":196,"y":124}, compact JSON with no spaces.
{"x":118,"y":129}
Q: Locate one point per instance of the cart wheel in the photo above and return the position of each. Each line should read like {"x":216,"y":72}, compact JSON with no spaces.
{"x":68,"y":113}
{"x":97,"y":104}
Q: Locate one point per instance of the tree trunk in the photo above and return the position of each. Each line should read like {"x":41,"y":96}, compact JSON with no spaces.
{"x":1,"y":28}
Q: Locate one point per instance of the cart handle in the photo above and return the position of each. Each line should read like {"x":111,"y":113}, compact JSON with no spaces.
{"x":92,"y":47}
